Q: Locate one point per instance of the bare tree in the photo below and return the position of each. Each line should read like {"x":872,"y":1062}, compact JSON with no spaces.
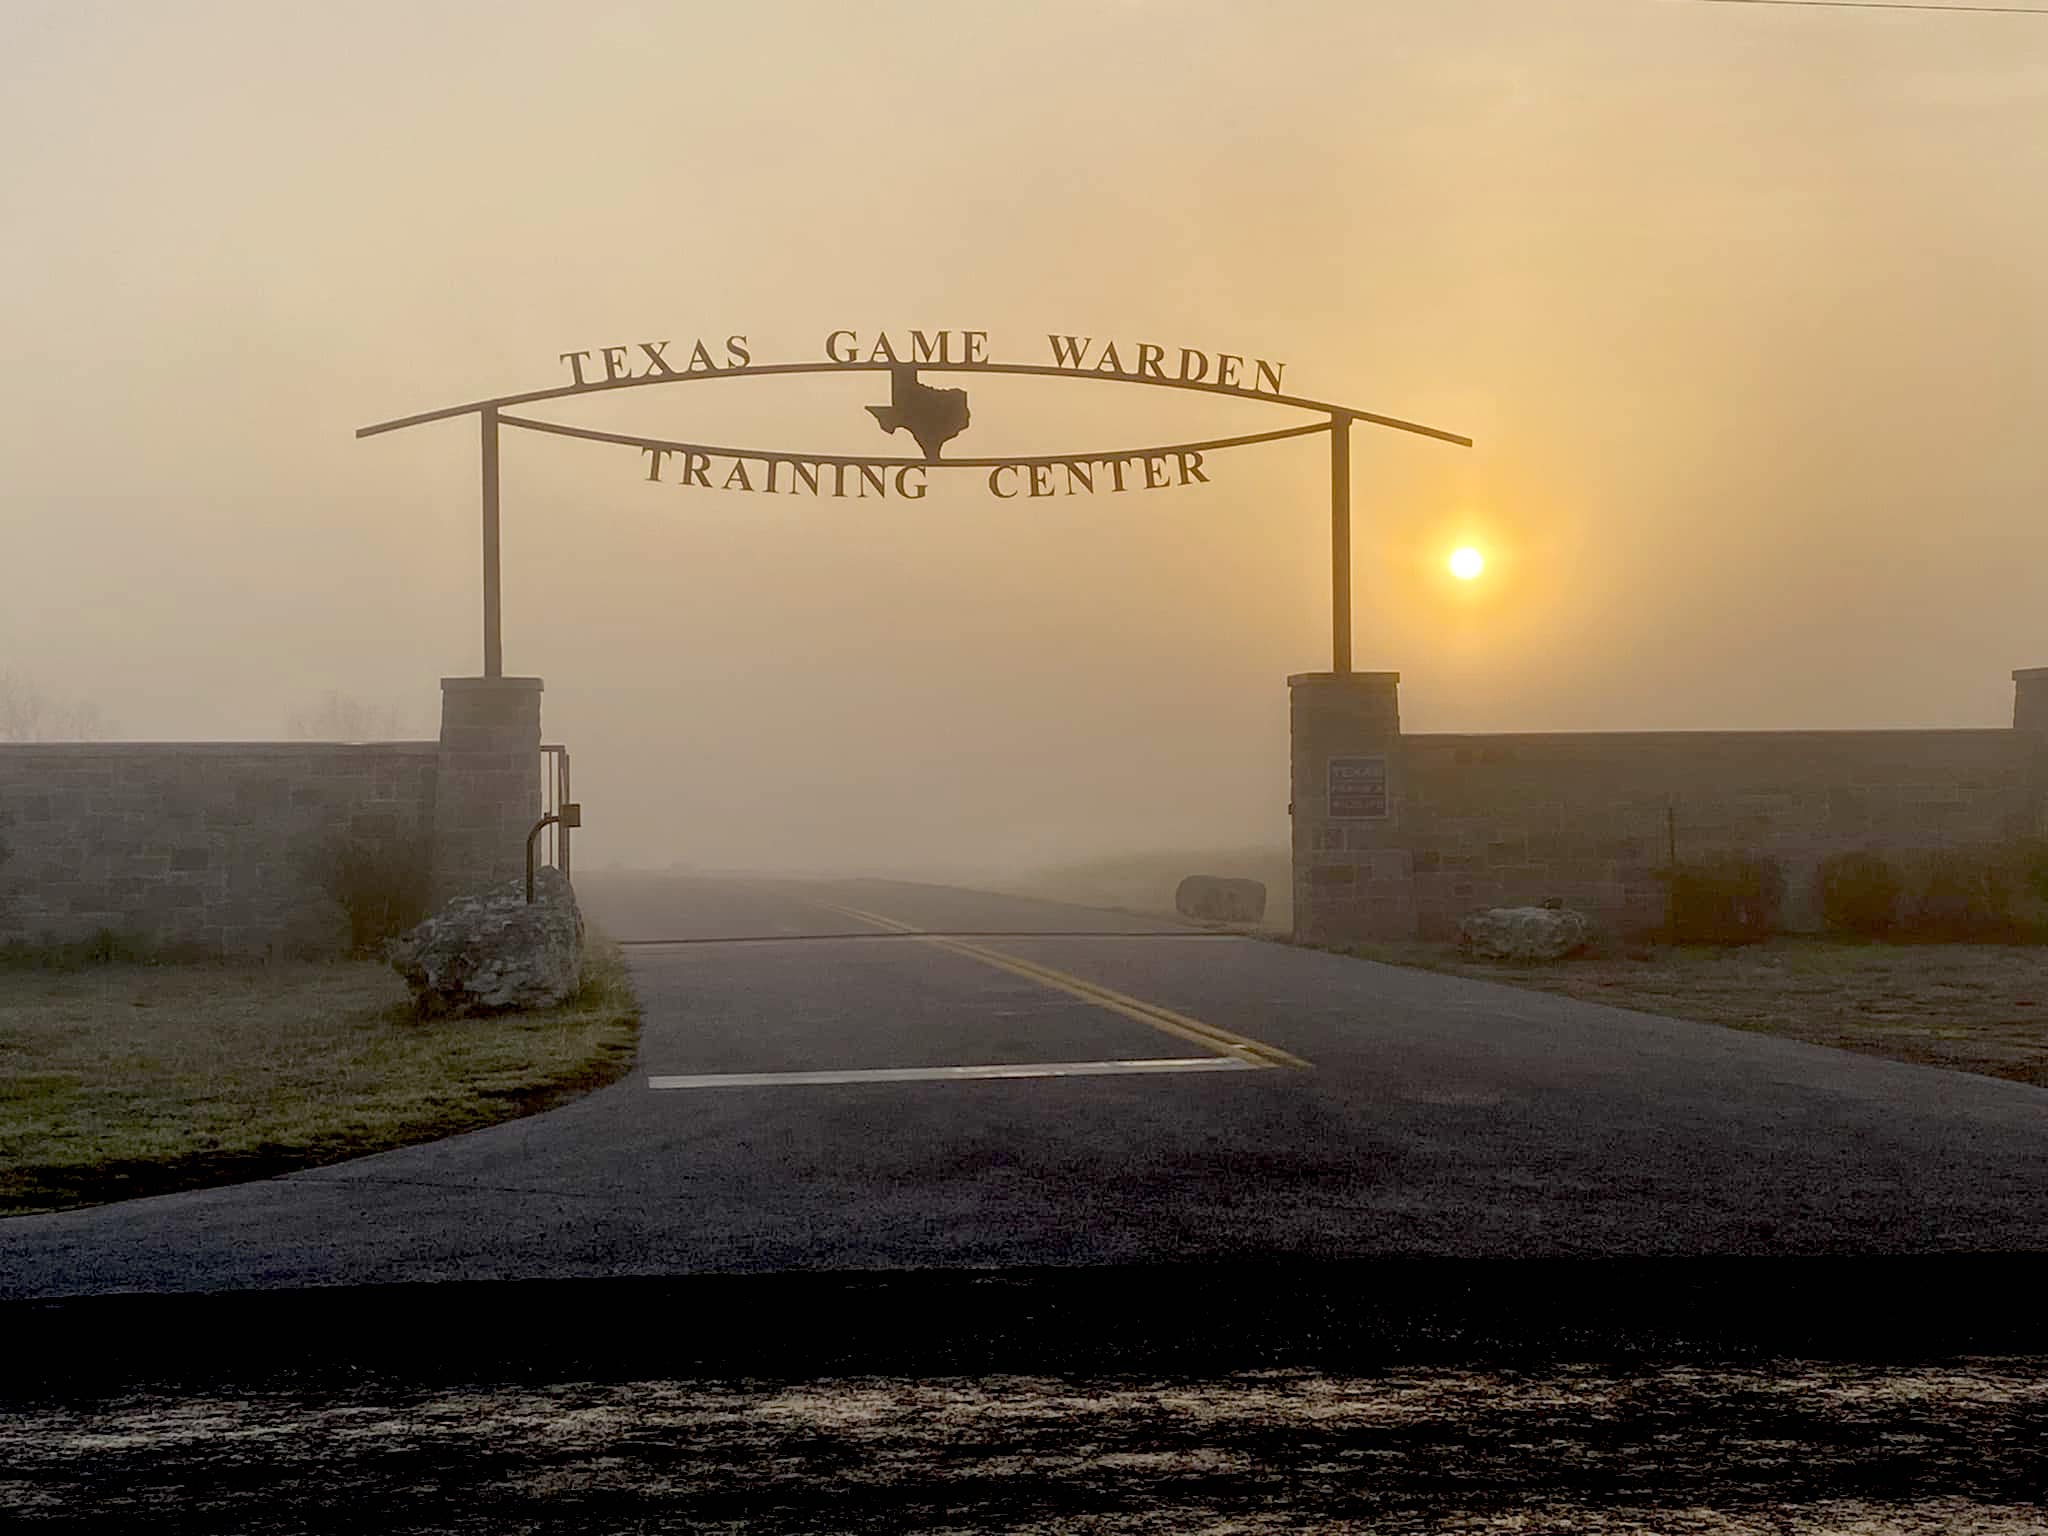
{"x":344,"y":717}
{"x":29,"y":714}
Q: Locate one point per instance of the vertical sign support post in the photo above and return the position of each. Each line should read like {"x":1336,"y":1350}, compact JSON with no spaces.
{"x":494,"y":638}
{"x":1340,"y":543}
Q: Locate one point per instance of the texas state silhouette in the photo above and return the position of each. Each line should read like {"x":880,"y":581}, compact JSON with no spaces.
{"x":933,"y":416}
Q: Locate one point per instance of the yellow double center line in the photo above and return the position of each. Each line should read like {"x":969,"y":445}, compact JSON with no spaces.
{"x":1222,"y":1041}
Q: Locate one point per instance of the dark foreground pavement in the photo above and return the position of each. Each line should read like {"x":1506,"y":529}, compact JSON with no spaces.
{"x":1948,"y":1450}
{"x":1684,"y":1397}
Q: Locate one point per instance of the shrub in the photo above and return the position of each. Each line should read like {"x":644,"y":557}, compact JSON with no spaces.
{"x":106,"y":947}
{"x":1859,"y":893}
{"x":1957,"y":894}
{"x":1732,"y":899}
{"x":383,"y":887}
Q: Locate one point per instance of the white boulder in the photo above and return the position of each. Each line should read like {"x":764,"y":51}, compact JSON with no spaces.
{"x":1524,"y":933}
{"x":492,"y":951}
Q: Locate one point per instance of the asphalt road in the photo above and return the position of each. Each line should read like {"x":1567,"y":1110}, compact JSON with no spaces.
{"x":1290,"y":1106}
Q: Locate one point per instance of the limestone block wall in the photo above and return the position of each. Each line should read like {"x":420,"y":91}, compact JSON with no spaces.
{"x":1352,"y":866}
{"x":1399,"y":835}
{"x":206,"y":849}
{"x":2030,"y":701}
{"x":1515,"y":819}
{"x":489,"y":792}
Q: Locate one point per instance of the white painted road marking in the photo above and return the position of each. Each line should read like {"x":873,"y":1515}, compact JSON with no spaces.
{"x":958,"y":1074}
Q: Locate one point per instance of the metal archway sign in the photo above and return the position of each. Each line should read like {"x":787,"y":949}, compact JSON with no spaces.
{"x":932,"y":417}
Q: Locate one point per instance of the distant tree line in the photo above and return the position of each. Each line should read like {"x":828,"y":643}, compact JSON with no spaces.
{"x":29,"y":714}
{"x":337,"y":716}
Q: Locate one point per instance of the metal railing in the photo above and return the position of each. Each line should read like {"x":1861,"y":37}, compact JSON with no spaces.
{"x":554,"y":794}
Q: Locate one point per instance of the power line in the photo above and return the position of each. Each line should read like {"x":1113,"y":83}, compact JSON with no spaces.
{"x":1891,"y":5}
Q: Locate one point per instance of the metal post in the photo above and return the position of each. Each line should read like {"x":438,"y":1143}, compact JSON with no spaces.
{"x":538,"y":827}
{"x":564,"y":830}
{"x":1340,"y":543}
{"x":570,"y":815}
{"x":494,"y":637}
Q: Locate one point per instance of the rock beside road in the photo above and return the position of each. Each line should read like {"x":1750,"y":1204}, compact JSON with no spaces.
{"x":1217,"y":899}
{"x":492,"y":952}
{"x":1524,"y":933}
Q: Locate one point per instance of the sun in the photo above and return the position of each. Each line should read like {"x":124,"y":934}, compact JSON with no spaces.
{"x":1467,"y":563}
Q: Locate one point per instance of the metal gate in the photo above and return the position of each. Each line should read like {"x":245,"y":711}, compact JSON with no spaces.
{"x":554,"y":794}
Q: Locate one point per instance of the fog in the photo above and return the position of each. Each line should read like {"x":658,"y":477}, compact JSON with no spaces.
{"x":1743,"y":307}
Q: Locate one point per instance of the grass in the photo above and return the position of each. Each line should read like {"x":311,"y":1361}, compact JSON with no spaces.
{"x":125,"y":1079}
{"x":1974,"y":1007}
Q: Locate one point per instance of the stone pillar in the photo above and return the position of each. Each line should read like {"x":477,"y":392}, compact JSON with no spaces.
{"x":2030,"y":700}
{"x":2030,"y":718}
{"x":1352,"y":879}
{"x":486,"y":783}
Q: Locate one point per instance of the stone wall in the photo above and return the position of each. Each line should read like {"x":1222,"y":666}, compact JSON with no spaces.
{"x":1588,"y":819}
{"x":489,"y":795}
{"x":1351,"y":868}
{"x":228,"y":849}
{"x":1506,"y":820}
{"x":204,"y":849}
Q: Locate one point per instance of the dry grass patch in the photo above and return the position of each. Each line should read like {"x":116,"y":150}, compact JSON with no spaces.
{"x":129,"y":1080}
{"x":1975,"y":1007}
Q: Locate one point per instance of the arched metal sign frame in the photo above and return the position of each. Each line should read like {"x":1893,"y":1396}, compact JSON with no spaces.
{"x":1336,"y":420}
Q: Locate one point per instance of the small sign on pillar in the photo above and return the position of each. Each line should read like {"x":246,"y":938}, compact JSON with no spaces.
{"x":1358,"y":788}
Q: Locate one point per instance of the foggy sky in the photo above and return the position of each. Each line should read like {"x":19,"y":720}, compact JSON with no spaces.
{"x":1745,"y":307}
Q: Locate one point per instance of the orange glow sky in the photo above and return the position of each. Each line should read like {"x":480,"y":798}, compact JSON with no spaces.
{"x":1745,"y":308}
